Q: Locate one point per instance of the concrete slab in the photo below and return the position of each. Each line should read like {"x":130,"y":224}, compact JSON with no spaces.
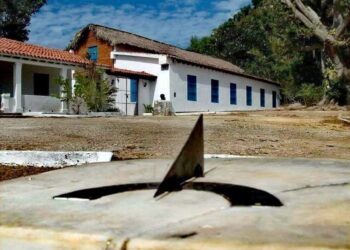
{"x":52,"y":159}
{"x":315,"y":215}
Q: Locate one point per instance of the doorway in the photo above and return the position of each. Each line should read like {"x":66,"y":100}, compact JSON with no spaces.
{"x":127,"y":96}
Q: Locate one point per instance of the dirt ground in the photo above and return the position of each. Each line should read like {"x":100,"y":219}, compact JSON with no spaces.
{"x":311,"y":134}
{"x":7,"y":173}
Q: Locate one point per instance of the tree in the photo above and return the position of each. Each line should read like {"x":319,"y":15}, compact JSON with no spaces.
{"x":15,"y":17}
{"x":265,"y":41}
{"x":94,"y":89}
{"x":329,"y":21}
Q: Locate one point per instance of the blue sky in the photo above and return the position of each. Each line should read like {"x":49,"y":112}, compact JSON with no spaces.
{"x":170,"y":21}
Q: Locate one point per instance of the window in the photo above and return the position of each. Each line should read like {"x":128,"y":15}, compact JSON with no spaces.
{"x":214,"y":91}
{"x":274,"y":99}
{"x":41,"y":84}
{"x":133,"y":90}
{"x":262,"y":97}
{"x":249,"y":96}
{"x":165,"y":67}
{"x":233,"y":93}
{"x":191,"y":88}
{"x":93,"y":53}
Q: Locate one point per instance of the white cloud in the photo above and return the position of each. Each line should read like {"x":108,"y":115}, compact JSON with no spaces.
{"x":56,"y":24}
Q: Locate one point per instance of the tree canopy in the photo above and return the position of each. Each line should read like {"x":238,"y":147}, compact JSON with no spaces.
{"x":15,"y":17}
{"x":268,"y":40}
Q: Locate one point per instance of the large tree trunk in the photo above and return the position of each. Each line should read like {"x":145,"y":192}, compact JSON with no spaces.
{"x":332,"y":36}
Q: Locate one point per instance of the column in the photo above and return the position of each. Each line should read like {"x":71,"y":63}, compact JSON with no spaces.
{"x":73,"y":81}
{"x":63,"y":74}
{"x":17,"y":87}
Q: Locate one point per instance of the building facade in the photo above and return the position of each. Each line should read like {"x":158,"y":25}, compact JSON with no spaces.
{"x":28,"y":76}
{"x":190,"y":81}
{"x":143,"y":71}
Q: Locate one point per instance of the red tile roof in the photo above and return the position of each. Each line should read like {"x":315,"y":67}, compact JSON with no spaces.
{"x":16,"y":48}
{"x":126,"y":72}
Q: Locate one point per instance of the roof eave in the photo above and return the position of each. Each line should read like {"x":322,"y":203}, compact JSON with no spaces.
{"x":42,"y":60}
{"x":227,"y":71}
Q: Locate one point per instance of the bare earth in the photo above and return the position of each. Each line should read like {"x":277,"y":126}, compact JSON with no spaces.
{"x":311,"y":134}
{"x":7,"y":173}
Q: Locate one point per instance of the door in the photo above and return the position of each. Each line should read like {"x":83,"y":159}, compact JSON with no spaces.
{"x":41,"y":84}
{"x":274,"y":99}
{"x":127,"y":96}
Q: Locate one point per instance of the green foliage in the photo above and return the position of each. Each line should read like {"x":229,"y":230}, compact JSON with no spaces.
{"x":95,"y":90}
{"x":66,"y":95}
{"x":15,"y":17}
{"x":266,"y":40}
{"x":337,"y":91}
{"x":310,"y":94}
{"x":148,"y":108}
{"x":342,"y":6}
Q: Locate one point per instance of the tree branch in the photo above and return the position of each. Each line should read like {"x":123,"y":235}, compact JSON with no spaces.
{"x":310,"y":19}
{"x":342,"y":27}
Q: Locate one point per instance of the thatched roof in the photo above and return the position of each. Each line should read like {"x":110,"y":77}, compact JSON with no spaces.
{"x":117,"y":37}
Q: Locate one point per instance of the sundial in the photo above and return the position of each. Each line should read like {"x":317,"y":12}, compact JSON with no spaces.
{"x":188,"y":203}
{"x":188,"y":166}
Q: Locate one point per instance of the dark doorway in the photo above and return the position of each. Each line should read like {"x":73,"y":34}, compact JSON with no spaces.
{"x":41,"y":84}
{"x":274,"y":99}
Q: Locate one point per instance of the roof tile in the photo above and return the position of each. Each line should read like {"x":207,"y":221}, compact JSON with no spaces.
{"x":16,"y":48}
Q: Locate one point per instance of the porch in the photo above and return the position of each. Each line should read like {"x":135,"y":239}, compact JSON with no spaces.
{"x":30,"y":86}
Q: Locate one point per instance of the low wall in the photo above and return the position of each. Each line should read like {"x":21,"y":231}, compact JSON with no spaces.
{"x":52,"y":159}
{"x":36,"y":103}
{"x":7,"y":103}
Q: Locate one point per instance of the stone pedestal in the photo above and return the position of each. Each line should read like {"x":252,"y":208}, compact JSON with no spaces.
{"x":163,"y":108}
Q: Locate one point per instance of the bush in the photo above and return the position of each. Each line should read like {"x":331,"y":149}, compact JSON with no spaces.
{"x":310,"y":94}
{"x":94,"y":89}
{"x":337,"y":91}
{"x":148,"y":108}
{"x":66,"y":94}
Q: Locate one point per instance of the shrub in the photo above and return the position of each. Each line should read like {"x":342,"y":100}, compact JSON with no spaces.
{"x":66,"y":94}
{"x":337,"y":91}
{"x":94,"y":89}
{"x":310,"y":94}
{"x":148,"y":108}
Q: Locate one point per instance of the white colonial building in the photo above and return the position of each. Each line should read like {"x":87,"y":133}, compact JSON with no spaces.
{"x":143,"y":70}
{"x":192,"y":82}
{"x":192,"y":88}
{"x":28,"y":76}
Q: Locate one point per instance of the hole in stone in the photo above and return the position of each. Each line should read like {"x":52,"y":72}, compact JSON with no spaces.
{"x":237,"y":195}
{"x":184,"y":236}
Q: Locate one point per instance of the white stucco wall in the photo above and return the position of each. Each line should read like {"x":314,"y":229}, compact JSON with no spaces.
{"x":173,"y":84}
{"x":146,"y":93}
{"x":150,"y":65}
{"x":28,"y":72}
{"x":178,"y":85}
{"x":35,"y":103}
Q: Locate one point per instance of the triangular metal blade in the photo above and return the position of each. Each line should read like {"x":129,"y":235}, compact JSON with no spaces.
{"x":188,"y":164}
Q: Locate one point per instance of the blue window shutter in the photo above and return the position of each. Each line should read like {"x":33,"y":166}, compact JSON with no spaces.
{"x":233,"y":93}
{"x":262,"y":97}
{"x":249,"y":96}
{"x":191,"y":88}
{"x":215,"y":91}
{"x":93,"y":53}
{"x":133,"y":90}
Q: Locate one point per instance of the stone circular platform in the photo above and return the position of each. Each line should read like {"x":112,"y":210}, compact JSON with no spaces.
{"x":315,"y":212}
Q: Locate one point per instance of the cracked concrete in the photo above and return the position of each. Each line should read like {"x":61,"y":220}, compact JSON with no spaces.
{"x":315,"y":214}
